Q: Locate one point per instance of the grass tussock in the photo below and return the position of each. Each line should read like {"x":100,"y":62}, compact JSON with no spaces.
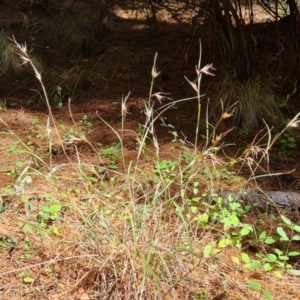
{"x":79,"y":34}
{"x":152,"y":226}
{"x":86,"y":74}
{"x":256,"y":102}
{"x":10,"y":60}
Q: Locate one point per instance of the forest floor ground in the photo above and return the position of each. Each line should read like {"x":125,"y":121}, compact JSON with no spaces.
{"x":53,"y":263}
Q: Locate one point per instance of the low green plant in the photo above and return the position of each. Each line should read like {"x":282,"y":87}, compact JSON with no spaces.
{"x":286,"y":234}
{"x":113,"y":154}
{"x":227,"y":212}
{"x":26,"y":277}
{"x":87,"y":125}
{"x":288,"y":141}
{"x":235,"y":233}
{"x":48,"y":214}
{"x":166,"y":169}
{"x":257,"y":287}
{"x":78,"y":131}
{"x":57,"y":97}
{"x":288,"y":97}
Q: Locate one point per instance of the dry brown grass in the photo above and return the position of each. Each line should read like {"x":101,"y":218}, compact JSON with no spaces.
{"x":122,"y":232}
{"x":118,"y":237}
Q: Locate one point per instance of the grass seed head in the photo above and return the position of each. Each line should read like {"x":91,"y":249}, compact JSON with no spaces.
{"x":154,"y":72}
{"x":160,"y":96}
{"x":208,"y":70}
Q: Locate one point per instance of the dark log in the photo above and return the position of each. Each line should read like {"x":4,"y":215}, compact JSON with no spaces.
{"x":264,"y":201}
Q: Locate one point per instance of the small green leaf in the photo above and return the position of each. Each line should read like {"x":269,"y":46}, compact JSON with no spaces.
{"x":224,"y":243}
{"x":262,"y":236}
{"x":208,"y":250}
{"x":293,"y":253}
{"x":245,"y":257}
{"x":53,"y":216}
{"x":267,"y":295}
{"x":254,"y":285}
{"x":282,"y":233}
{"x":286,"y":220}
{"x":60,"y":285}
{"x":288,"y":266}
{"x":20,"y":275}
{"x":296,"y":238}
{"x":112,"y":167}
{"x":196,"y":199}
{"x":246,"y":230}
{"x":294,"y":272}
{"x":194,"y":209}
{"x":55,"y":208}
{"x":28,"y":279}
{"x":55,"y":231}
{"x":203,"y":218}
{"x":19,"y":164}
{"x":283,"y":257}
{"x":45,"y":208}
{"x":270,"y":240}
{"x":235,"y":206}
{"x":92,"y":179}
{"x":268,"y":267}
{"x":278,"y":251}
{"x":255,"y":265}
{"x":277,"y":274}
{"x":270,"y":257}
{"x":234,"y":220}
{"x":27,"y":228}
{"x":296,"y":228}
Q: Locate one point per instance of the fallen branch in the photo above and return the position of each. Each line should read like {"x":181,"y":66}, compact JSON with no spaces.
{"x":267,"y":200}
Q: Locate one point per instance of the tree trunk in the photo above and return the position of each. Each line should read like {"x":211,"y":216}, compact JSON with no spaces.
{"x":227,"y":16}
